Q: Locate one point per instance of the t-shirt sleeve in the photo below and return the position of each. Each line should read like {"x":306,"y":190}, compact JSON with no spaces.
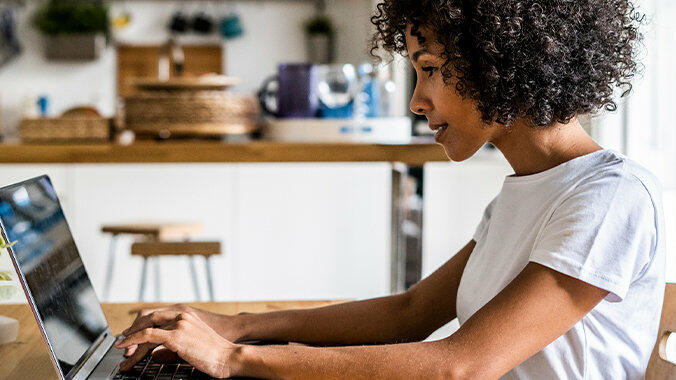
{"x":481,"y":229}
{"x":602,"y":233}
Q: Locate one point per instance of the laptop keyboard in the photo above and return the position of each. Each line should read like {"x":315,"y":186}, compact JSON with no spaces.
{"x":147,"y":369}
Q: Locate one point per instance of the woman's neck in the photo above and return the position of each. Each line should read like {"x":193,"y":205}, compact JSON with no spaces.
{"x":532,"y":150}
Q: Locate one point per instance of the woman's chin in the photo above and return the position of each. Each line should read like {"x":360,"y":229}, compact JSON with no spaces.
{"x":452,"y":153}
{"x":455,"y":153}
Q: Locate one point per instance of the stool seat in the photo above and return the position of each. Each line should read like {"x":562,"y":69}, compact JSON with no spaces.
{"x":177,"y":248}
{"x":155,"y":249}
{"x":159,"y":231}
{"x":150,"y":232}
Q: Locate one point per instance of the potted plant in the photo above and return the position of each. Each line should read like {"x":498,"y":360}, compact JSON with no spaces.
{"x":319,"y":33}
{"x":73,"y":29}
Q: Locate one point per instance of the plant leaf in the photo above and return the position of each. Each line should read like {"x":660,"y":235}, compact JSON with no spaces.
{"x":4,"y":245}
{"x":5,"y":275}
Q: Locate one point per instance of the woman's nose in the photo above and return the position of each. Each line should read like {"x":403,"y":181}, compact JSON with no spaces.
{"x":419,"y":104}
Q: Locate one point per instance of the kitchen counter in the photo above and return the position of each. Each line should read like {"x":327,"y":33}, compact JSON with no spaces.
{"x":416,"y":153}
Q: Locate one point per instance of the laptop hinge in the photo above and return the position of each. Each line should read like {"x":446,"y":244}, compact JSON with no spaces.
{"x":92,"y":360}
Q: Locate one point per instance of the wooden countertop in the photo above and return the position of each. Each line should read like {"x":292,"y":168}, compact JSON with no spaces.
{"x":416,"y":153}
{"x":28,"y":358}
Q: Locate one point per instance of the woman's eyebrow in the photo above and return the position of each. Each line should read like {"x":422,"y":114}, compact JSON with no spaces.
{"x":418,"y":53}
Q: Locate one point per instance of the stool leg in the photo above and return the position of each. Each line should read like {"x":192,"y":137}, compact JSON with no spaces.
{"x":210,"y":282}
{"x":144,"y":272}
{"x":109,"y":270}
{"x":158,"y":282}
{"x":193,"y":272}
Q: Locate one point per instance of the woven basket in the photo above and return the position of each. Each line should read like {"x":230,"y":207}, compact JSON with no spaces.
{"x":65,"y":129}
{"x":198,"y":113}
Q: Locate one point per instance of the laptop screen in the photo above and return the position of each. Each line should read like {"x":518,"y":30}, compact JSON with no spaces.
{"x":55,"y":276}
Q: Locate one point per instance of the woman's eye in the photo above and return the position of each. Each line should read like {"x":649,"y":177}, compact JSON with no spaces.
{"x":429,"y":70}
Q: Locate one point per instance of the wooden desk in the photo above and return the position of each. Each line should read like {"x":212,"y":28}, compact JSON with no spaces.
{"x":28,"y":357}
{"x":416,"y":153}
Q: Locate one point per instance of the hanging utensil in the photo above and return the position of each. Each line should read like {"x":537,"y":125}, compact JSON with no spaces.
{"x":9,"y":43}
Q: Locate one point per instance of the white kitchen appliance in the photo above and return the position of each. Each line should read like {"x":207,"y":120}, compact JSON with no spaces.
{"x":390,"y":130}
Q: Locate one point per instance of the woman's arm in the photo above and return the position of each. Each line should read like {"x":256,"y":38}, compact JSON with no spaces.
{"x":406,"y":317}
{"x":531,"y":312}
{"x":538,"y":306}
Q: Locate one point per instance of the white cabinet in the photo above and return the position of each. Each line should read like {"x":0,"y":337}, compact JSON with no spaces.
{"x":290,"y":231}
{"x":312,"y":231}
{"x":456,"y":195}
{"x":164,"y":193}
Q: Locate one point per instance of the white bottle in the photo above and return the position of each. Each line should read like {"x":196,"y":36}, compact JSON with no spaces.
{"x":30,"y":107}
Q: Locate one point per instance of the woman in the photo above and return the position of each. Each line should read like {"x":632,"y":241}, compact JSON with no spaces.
{"x":563,"y":277}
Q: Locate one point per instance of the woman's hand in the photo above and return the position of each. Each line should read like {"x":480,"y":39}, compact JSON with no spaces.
{"x":192,"y":340}
{"x":224,"y":325}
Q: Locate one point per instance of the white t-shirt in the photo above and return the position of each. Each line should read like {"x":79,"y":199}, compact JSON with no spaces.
{"x":598,"y":218}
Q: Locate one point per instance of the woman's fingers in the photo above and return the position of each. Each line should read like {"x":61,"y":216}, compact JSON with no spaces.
{"x":137,"y":344}
{"x":141,"y":314}
{"x":130,"y":350}
{"x":137,"y":355}
{"x":151,"y":319}
{"x":149,"y":335}
{"x":162,"y":354}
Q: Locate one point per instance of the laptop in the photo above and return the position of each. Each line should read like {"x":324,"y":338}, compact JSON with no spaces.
{"x":60,"y":293}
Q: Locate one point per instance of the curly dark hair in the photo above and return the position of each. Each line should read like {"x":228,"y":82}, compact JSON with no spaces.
{"x":544,"y":61}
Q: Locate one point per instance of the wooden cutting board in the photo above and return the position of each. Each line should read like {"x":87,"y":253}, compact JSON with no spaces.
{"x":142,"y":61}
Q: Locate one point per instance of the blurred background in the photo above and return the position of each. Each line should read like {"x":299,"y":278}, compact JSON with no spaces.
{"x":132,"y":108}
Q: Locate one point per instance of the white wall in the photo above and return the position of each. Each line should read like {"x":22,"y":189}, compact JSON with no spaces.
{"x":273,"y":34}
{"x":644,"y":123}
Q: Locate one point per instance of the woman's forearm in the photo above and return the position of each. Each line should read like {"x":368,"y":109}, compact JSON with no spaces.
{"x":428,"y":360}
{"x":374,"y":321}
{"x":406,"y":317}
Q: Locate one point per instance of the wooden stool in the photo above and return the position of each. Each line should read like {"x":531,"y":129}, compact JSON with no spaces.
{"x":148,"y":231}
{"x":156,"y":249}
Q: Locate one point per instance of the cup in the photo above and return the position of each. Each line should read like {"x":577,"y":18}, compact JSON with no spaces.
{"x":296,"y":93}
{"x":231,"y":26}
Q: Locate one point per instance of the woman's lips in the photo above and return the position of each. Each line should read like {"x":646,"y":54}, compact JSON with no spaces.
{"x":439,"y":130}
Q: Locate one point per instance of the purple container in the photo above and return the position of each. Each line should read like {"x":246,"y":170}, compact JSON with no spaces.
{"x":296,"y":95}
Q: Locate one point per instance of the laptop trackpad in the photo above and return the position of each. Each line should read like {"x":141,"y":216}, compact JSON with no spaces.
{"x":108,"y":365}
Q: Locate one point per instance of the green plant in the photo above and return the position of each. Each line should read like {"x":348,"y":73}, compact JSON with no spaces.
{"x":319,"y":24}
{"x":72,"y":17}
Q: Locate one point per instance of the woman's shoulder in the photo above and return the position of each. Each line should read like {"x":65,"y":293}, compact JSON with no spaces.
{"x":614,"y":172}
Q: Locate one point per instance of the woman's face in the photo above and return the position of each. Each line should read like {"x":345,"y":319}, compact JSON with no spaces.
{"x":456,"y":122}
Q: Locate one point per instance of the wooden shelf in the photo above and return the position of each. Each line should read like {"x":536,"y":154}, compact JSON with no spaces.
{"x":201,"y":152}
